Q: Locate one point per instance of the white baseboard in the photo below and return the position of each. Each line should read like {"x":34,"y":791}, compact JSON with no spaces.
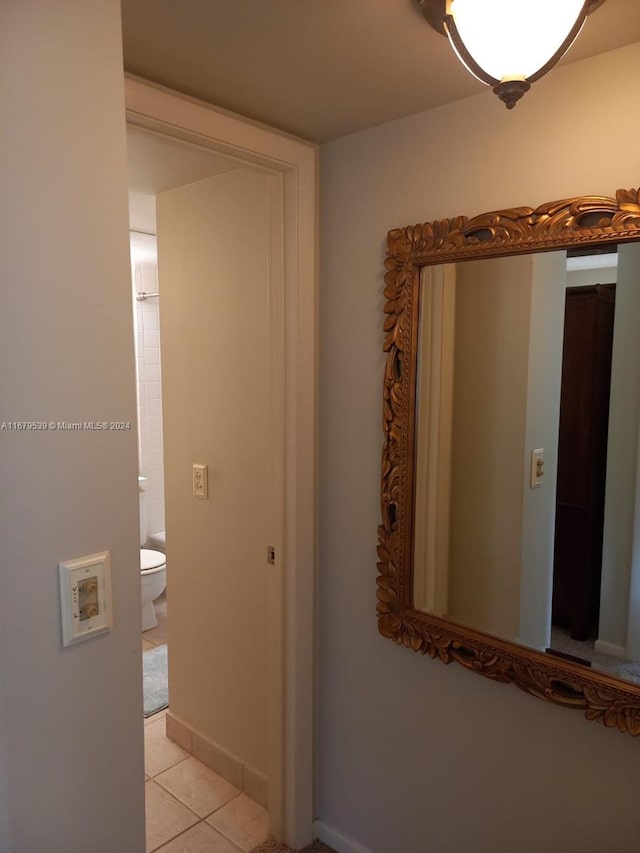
{"x":610,"y":649}
{"x":341,"y":843}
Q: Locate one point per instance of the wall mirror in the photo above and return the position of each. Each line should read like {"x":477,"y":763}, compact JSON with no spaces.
{"x":510,"y":534}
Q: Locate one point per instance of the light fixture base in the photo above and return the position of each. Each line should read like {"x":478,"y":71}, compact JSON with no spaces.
{"x":510,"y":91}
{"x":435,"y":11}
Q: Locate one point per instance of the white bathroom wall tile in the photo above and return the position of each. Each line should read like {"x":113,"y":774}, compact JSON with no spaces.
{"x":153,"y":457}
{"x":158,"y":491}
{"x":152,"y":372}
{"x":155,"y":503}
{"x":150,"y":317}
{"x":154,"y":486}
{"x":155,"y":522}
{"x":152,"y":390}
{"x":147,"y":336}
{"x":155,"y":515}
{"x":151,"y":355}
{"x":148,"y":277}
{"x":154,"y":406}
{"x":154,"y":440}
{"x":151,"y":338}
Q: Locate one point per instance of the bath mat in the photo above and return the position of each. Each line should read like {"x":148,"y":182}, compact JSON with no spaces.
{"x":155,"y":684}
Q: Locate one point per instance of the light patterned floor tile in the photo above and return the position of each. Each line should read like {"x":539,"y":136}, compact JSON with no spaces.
{"x":200,"y":839}
{"x":154,"y":718}
{"x":197,"y":786}
{"x":157,"y":635}
{"x":165,"y":817}
{"x":160,"y":753}
{"x":146,"y":645}
{"x":243,"y":821}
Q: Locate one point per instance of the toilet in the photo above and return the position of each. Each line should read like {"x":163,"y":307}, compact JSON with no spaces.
{"x":153,"y":567}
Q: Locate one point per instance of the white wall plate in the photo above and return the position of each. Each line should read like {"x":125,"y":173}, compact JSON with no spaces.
{"x":85,"y":597}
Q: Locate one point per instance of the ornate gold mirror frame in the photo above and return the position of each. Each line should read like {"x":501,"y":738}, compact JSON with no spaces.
{"x":587,"y":221}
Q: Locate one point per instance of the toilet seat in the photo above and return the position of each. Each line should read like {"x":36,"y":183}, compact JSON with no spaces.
{"x":151,"y":561}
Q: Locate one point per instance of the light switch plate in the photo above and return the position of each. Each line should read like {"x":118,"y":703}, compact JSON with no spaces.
{"x":200,"y":481}
{"x":537,"y":467}
{"x":85,"y":597}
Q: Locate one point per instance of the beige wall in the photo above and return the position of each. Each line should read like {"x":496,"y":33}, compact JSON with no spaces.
{"x":619,"y":549}
{"x":412,"y":754}
{"x":491,"y":361}
{"x":71,"y":718}
{"x":546,"y":333}
{"x":582,"y":278}
{"x":212,"y":263}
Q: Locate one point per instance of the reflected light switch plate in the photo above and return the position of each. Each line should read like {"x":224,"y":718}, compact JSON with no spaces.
{"x":85,"y":597}
{"x":537,"y":467}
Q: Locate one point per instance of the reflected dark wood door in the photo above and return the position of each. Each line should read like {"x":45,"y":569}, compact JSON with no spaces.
{"x":582,"y":453}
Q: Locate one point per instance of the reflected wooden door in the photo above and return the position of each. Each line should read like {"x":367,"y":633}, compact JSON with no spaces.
{"x":582,"y":452}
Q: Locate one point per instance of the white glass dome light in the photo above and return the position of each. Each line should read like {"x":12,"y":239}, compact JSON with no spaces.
{"x":508,"y":44}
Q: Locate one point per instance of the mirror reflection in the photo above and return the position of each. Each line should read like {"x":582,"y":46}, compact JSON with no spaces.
{"x":528,"y":417}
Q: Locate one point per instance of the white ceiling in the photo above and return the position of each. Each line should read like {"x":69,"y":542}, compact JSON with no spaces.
{"x":156,"y":164}
{"x":319,"y":68}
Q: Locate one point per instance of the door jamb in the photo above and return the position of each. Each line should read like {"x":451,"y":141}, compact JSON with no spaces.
{"x":293,"y":319}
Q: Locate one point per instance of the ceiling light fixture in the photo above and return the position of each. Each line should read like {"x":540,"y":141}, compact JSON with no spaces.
{"x":509,"y":44}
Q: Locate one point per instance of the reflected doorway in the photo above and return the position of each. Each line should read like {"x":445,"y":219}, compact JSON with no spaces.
{"x":582,"y":458}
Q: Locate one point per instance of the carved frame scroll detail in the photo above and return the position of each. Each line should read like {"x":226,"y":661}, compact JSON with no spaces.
{"x":576,"y":222}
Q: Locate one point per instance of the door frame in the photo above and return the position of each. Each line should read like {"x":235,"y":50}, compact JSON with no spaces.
{"x":293,"y":327}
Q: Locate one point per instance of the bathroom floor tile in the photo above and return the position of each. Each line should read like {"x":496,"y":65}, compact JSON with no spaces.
{"x":197,"y":786}
{"x":160,"y":753}
{"x":146,"y":645}
{"x":201,"y":838}
{"x":154,"y":718}
{"x":165,"y":816}
{"x":243,"y":821}
{"x":157,"y":635}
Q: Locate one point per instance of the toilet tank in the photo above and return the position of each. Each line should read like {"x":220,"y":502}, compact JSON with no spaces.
{"x":142,"y":495}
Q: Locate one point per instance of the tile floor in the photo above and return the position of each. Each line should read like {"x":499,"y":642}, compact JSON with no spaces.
{"x":189,"y":808}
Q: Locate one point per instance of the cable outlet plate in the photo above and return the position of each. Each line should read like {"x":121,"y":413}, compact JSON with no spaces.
{"x":85,"y":597}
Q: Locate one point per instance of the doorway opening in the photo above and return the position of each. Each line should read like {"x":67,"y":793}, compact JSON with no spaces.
{"x":209,"y":287}
{"x":197,"y":314}
{"x":582,"y":458}
{"x":587,"y":518}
